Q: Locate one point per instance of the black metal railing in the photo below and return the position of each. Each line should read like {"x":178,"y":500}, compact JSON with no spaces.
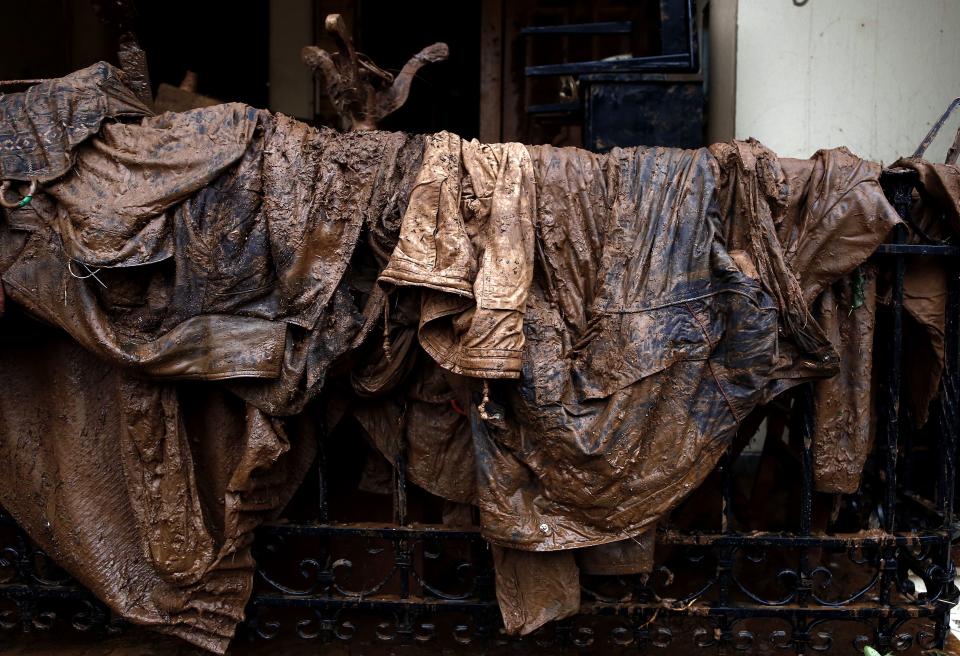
{"x":881,"y":575}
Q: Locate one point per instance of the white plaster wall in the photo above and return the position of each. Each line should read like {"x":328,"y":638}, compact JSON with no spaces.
{"x":721,"y":69}
{"x":869,"y":74}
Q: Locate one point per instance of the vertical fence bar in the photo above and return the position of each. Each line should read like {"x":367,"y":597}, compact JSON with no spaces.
{"x":726,"y":490}
{"x":949,"y":391}
{"x":898,"y":186}
{"x":403,"y":556}
{"x":803,"y":409}
{"x":725,"y":554}
{"x":323,"y":504}
{"x":893,"y":391}
{"x":902,"y":199}
{"x":400,"y":482}
{"x":905,"y":474}
{"x":803,"y":424}
{"x":949,"y":398}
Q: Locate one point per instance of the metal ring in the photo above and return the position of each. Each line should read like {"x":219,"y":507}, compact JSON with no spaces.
{"x":17,"y":203}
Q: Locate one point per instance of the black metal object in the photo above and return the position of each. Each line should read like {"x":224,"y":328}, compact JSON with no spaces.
{"x":608,"y":27}
{"x":650,"y":109}
{"x":654,"y":100}
{"x":718,"y":590}
{"x":679,"y":45}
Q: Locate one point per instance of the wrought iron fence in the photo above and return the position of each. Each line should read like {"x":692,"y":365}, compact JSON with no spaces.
{"x":878,"y":571}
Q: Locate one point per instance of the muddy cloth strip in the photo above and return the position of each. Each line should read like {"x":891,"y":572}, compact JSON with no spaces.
{"x":535,"y":588}
{"x":633,"y":556}
{"x":844,"y":420}
{"x":41,"y":127}
{"x":836,"y":215}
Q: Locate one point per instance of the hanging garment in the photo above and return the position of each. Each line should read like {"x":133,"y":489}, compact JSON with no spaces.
{"x":243,"y":278}
{"x":206,"y":246}
{"x":469,"y":238}
{"x":662,"y":308}
{"x":644,"y":342}
{"x":821,"y":218}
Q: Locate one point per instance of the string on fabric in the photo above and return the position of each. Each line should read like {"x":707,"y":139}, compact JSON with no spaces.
{"x":91,"y":273}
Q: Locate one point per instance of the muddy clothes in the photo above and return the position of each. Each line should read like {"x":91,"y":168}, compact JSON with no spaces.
{"x":844,"y":420}
{"x":227,"y":232}
{"x":535,"y":588}
{"x":425,"y":417}
{"x":836,"y":216}
{"x":645,"y":345}
{"x":643,"y":342}
{"x":811,"y":223}
{"x":670,"y":292}
{"x":467,"y":235}
{"x":207,"y":246}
